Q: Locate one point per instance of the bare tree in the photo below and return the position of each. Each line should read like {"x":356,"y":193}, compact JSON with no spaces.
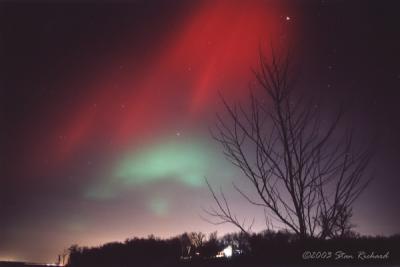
{"x":197,"y":239}
{"x":305,"y":171}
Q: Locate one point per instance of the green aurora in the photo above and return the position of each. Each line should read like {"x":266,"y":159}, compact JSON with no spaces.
{"x":187,"y":163}
{"x":183,"y":161}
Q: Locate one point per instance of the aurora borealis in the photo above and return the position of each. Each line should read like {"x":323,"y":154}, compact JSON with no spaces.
{"x":178,"y":160}
{"x":108,"y":110}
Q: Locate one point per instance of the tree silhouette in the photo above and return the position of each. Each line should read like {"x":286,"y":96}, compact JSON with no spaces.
{"x":248,"y":250}
{"x":306,"y":173}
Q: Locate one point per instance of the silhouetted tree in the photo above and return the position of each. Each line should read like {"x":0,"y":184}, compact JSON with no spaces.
{"x":186,"y":245}
{"x":211,"y":247}
{"x":256,"y":249}
{"x":306,"y":174}
{"x":197,"y":239}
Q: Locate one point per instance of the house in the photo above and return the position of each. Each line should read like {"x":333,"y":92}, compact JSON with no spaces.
{"x":225,"y":253}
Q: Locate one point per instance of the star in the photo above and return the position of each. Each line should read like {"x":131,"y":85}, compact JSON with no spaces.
{"x":287,"y":18}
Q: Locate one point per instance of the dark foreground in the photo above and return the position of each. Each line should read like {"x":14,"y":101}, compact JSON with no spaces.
{"x":23,"y":264}
{"x":267,"y":249}
{"x":273,"y":249}
{"x":198,"y":264}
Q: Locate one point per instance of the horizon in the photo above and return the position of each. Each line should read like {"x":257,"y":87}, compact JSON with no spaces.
{"x":151,"y":236}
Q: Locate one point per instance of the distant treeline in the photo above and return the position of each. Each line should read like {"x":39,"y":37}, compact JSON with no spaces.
{"x":266,"y":247}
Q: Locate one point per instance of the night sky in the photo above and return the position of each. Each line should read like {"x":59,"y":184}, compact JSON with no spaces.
{"x":106,"y":110}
